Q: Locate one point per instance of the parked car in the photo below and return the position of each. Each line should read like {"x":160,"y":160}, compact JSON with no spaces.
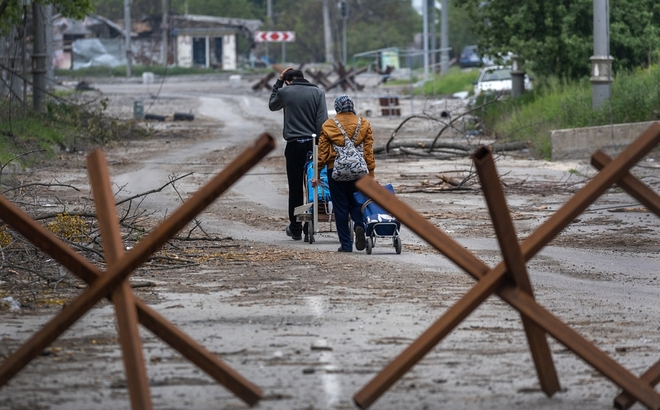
{"x":469,"y":57}
{"x":496,"y":79}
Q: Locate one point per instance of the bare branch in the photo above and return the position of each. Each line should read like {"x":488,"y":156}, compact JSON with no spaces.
{"x":153,"y":191}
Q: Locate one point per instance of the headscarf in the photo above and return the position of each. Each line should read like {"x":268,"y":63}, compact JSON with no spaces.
{"x":343,"y":103}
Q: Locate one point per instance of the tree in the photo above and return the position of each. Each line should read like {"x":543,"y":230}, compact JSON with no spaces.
{"x":11,"y":11}
{"x":114,"y":9}
{"x":556,"y":37}
{"x":371,"y":25}
{"x":461,"y":31}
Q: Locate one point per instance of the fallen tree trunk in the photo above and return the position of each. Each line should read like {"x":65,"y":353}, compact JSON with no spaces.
{"x":440,"y":146}
{"x":426,"y":154}
{"x":425,"y":144}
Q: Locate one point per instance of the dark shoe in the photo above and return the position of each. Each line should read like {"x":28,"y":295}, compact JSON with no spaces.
{"x":294,"y":237}
{"x":344,"y":250}
{"x":359,"y":238}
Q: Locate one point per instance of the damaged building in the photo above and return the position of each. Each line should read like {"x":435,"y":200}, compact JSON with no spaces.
{"x":207,"y":41}
{"x":193,"y":41}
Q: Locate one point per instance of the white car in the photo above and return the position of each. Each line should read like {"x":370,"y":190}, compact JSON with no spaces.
{"x":496,"y":79}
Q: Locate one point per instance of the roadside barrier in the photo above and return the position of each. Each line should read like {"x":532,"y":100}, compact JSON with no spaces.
{"x":509,"y":279}
{"x":114,"y":285}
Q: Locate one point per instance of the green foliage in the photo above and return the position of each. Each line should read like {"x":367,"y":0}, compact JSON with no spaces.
{"x":13,"y":11}
{"x":114,"y":9}
{"x":64,"y":125}
{"x":559,"y":104}
{"x":225,"y":8}
{"x":371,"y":25}
{"x":461,"y":28}
{"x":454,"y":81}
{"x":22,"y":131}
{"x":556,"y":38}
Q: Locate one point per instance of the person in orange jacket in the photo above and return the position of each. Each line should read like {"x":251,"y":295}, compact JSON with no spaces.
{"x":341,"y":192}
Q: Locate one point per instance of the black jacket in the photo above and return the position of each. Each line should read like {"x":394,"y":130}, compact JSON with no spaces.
{"x":304,"y":106}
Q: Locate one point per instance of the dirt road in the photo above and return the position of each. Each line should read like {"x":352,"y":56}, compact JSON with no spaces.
{"x":310,"y":327}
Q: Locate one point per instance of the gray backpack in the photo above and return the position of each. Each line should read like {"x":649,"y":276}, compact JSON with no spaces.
{"x":349,"y":163}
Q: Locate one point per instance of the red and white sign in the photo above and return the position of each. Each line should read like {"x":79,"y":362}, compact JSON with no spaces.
{"x":275,"y":36}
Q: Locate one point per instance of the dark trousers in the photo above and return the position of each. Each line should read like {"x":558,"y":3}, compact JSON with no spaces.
{"x":344,"y":205}
{"x":295,"y":154}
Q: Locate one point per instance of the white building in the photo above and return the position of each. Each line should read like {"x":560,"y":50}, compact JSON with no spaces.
{"x":208,"y":41}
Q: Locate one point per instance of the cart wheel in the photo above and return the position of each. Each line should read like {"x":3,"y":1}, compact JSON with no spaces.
{"x":369,"y":244}
{"x":397,"y":245}
{"x":310,"y":232}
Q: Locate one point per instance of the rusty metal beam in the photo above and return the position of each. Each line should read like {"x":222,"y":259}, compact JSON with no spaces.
{"x":520,"y":300}
{"x":608,"y":176}
{"x":428,"y":340}
{"x":122,"y":297}
{"x":649,"y":198}
{"x":512,"y":295}
{"x":636,"y":188}
{"x":148,"y":317}
{"x":103,"y":285}
{"x":515,"y":265}
{"x":652,"y":377}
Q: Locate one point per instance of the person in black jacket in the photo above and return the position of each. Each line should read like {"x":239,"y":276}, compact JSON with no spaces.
{"x":305,"y":112}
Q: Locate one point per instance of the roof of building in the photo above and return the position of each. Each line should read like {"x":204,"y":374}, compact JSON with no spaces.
{"x":193,"y":20}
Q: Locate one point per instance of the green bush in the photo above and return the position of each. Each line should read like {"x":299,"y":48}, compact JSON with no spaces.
{"x":456,"y":80}
{"x":556,"y":104}
{"x":23,"y":132}
{"x":29,"y":136}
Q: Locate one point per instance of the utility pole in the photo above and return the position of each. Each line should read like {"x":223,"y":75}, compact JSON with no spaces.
{"x":444,"y":39}
{"x":50,"y":70}
{"x":432,"y":34}
{"x":164,"y":28}
{"x":269,"y":22}
{"x":425,"y":41}
{"x":127,"y":29}
{"x":343,"y":8}
{"x":26,"y":4}
{"x":38,"y":57}
{"x":13,"y":60}
{"x":329,"y":49}
{"x":601,"y":61}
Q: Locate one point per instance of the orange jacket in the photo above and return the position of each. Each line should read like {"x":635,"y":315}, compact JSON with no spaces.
{"x":330,"y":134}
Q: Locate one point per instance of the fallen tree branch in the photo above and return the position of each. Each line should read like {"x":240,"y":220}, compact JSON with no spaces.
{"x":154,"y":191}
{"x":49,"y":185}
{"x":428,"y":154}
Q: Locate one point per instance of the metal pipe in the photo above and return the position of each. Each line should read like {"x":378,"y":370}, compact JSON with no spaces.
{"x":164,"y":28}
{"x":444,"y":39}
{"x":127,"y":33}
{"x":39,"y":57}
{"x":601,"y":75}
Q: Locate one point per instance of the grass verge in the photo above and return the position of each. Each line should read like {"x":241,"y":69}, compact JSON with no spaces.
{"x":456,"y":80}
{"x":556,"y":104}
{"x":27,"y":137}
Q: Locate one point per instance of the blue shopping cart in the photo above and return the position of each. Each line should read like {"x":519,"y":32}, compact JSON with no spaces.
{"x":378,"y":222}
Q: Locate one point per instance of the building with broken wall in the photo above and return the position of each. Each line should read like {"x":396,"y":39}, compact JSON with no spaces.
{"x":207,"y":41}
{"x":94,"y":41}
{"x":193,"y":41}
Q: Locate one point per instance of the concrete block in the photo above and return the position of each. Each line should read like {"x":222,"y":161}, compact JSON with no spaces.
{"x":235,"y":81}
{"x":580,"y":143}
{"x":147,"y":77}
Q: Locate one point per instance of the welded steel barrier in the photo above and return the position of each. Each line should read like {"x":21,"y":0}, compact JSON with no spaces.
{"x":509,"y":279}
{"x":114,"y":285}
